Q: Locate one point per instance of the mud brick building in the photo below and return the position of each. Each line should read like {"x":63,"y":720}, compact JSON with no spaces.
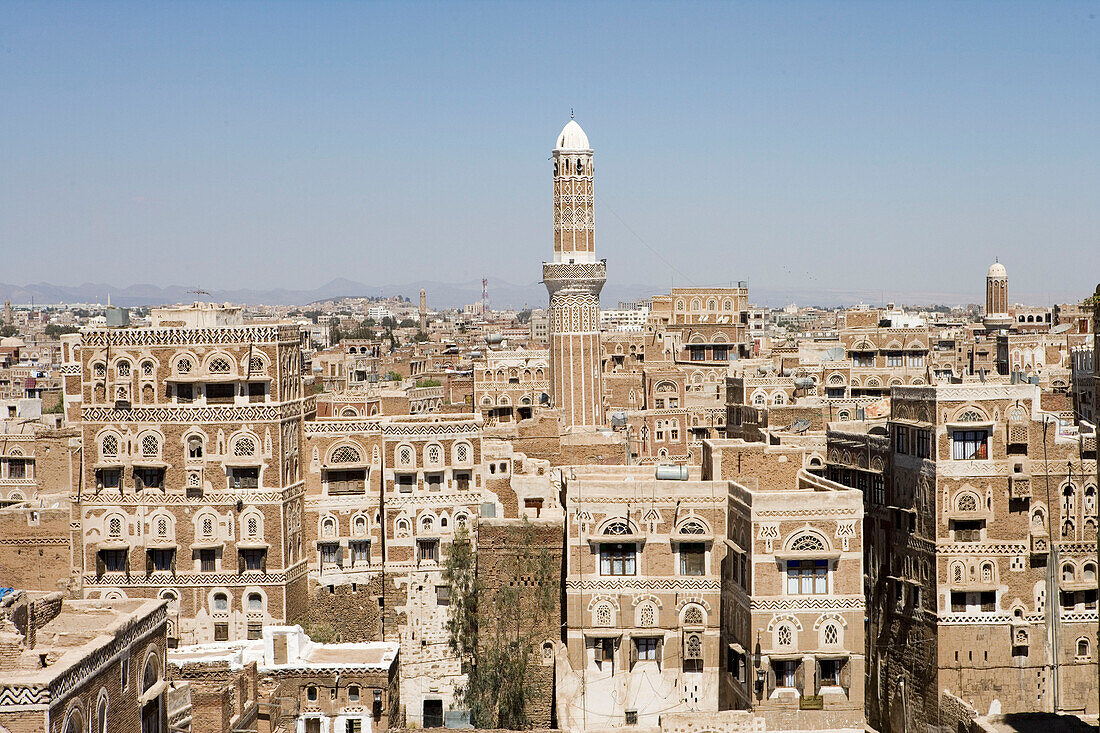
{"x":642,"y":596}
{"x":191,"y":486}
{"x":981,"y":525}
{"x":792,"y":586}
{"x":35,"y":546}
{"x":74,"y":666}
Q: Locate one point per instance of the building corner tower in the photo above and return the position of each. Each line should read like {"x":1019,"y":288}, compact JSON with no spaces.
{"x":574,"y":280}
{"x":996,"y":315}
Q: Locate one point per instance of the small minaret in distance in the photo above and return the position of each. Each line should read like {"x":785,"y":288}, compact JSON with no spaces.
{"x":423,"y":310}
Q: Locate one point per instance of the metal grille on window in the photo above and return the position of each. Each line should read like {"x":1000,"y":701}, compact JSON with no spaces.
{"x":462,"y":453}
{"x":345,"y":454}
{"x":183,"y":366}
{"x":807,"y":543}
{"x":692,"y":527}
{"x":244,"y":447}
{"x":831,"y":635}
{"x":617,"y":528}
{"x":784,"y":637}
{"x":219,"y":366}
{"x":255,"y":365}
{"x":149,"y":445}
{"x":109,"y":445}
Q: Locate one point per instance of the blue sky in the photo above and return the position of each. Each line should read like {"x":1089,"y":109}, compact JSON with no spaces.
{"x":802,"y":146}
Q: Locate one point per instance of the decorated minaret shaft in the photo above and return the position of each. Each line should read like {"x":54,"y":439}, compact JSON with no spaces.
{"x":574,"y":280}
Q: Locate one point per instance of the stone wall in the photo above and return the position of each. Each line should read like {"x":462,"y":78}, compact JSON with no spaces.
{"x":499,"y":542}
{"x":35,"y":551}
{"x":352,"y":611}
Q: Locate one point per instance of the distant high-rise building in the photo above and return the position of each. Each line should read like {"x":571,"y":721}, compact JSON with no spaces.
{"x":574,"y":280}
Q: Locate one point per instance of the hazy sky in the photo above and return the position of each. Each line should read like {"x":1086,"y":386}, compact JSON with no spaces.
{"x":896,"y":147}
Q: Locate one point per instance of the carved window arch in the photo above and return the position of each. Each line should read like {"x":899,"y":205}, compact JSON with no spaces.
{"x":346,"y":454}
{"x":427,"y":523}
{"x":359,"y":525}
{"x":328,"y":527}
{"x":693,"y":526}
{"x":647,"y":614}
{"x":115,"y":526}
{"x":807,"y":542}
{"x":406,"y":456}
{"x":784,"y":636}
{"x":184,"y":365}
{"x":122,"y":368}
{"x":219,"y":365}
{"x":831,"y":634}
{"x":693,"y":615}
{"x":109,"y":445}
{"x":150,"y":445}
{"x":617,"y":527}
{"x":433,"y":454}
{"x":245,"y":446}
{"x":604,"y":616}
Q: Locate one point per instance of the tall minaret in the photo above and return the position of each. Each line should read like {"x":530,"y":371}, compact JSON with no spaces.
{"x":996,"y":298}
{"x":574,"y":280}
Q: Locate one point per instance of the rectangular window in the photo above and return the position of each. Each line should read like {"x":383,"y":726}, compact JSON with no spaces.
{"x":360,"y":552}
{"x":443,"y":595}
{"x":256,"y":391}
{"x":692,"y":558}
{"x":207,"y":563}
{"x":221,"y":631}
{"x":924,"y":443}
{"x":185,"y":393}
{"x":646,"y":648}
{"x":253,"y":559}
{"x":427,"y":550}
{"x":784,"y":672}
{"x":434,"y":481}
{"x":863,"y":359}
{"x":329,"y":553}
{"x":255,"y":630}
{"x":807,"y":577}
{"x":721,"y":353}
{"x":108,"y":478}
{"x":353,"y":725}
{"x":346,"y":482}
{"x":462,"y":480}
{"x":631,"y":717}
{"x":220,"y":394}
{"x":17,"y":468}
{"x":405,"y":482}
{"x":161,"y":561}
{"x":698,"y":353}
{"x":148,"y":478}
{"x":971,"y":602}
{"x":969,"y":445}
{"x":895,"y":359}
{"x":114,"y":561}
{"x":830,"y":672}
{"x":915,"y":359}
{"x":967,"y":531}
{"x":618,"y":559}
{"x":605,"y":650}
{"x":244,"y":477}
{"x":901,"y":439}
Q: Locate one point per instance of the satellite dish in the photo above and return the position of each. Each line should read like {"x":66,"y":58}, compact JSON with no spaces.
{"x":800,"y":425}
{"x":803,"y":383}
{"x":1061,"y":328}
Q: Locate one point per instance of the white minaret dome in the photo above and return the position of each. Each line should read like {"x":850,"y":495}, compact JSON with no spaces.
{"x":572,"y":137}
{"x":997,"y":270}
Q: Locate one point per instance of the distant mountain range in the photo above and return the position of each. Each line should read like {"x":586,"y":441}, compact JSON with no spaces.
{"x":502,"y":294}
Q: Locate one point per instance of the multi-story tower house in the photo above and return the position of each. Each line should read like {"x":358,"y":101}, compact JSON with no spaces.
{"x":642,"y":596}
{"x":574,"y":280}
{"x":190,"y":485}
{"x":793,"y":607}
{"x":981,"y":522}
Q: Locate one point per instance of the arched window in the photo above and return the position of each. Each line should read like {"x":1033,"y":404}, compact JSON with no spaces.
{"x":221,"y":603}
{"x":603,"y":615}
{"x":1088,"y":573}
{"x":957,"y":572}
{"x":693,"y":616}
{"x":968,"y":503}
{"x":807,"y":543}
{"x":255,"y":602}
{"x":402,"y":527}
{"x":359,"y":525}
{"x":108,"y":445}
{"x":151,"y":675}
{"x":617,"y":527}
{"x":405,"y":456}
{"x":462,"y":452}
{"x":647,"y":615}
{"x":150,"y":446}
{"x":433,"y":455}
{"x":122,"y":366}
{"x":779,"y":398}
{"x":328,"y":527}
{"x":346,"y":454}
{"x":101,"y":713}
{"x":1083,"y":647}
{"x":184,"y":365}
{"x":162,"y":527}
{"x":207,"y":526}
{"x":252,"y":526}
{"x":427,"y":523}
{"x":194,"y":447}
{"x":245,"y":446}
{"x":1067,"y":573}
{"x":219,"y":365}
{"x":830,"y":634}
{"x":114,"y":527}
{"x":784,"y":636}
{"x":692,"y":526}
{"x":987,"y":572}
